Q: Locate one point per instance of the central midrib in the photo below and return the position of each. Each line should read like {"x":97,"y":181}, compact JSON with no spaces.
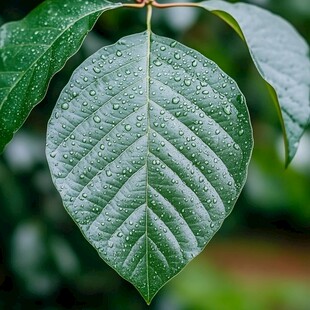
{"x":148,"y":53}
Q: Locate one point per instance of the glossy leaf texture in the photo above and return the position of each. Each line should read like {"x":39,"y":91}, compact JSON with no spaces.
{"x":148,"y":146}
{"x":34,"y":49}
{"x":281,"y":56}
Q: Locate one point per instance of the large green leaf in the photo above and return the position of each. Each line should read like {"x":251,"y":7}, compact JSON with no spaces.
{"x":34,"y":49}
{"x":148,"y":146}
{"x":281,"y":56}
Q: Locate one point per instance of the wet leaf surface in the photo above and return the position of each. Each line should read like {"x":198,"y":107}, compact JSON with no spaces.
{"x":34,"y":49}
{"x":148,"y":146}
{"x":281,"y":56}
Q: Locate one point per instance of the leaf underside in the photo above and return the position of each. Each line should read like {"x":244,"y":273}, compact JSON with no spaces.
{"x":34,"y":49}
{"x":281,"y":56}
{"x":148,"y":146}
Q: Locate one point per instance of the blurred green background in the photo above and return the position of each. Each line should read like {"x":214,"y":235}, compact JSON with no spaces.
{"x":260,"y":259}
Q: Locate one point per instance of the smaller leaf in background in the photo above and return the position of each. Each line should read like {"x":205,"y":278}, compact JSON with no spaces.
{"x":281,"y":56}
{"x":34,"y":49}
{"x":149,"y":145}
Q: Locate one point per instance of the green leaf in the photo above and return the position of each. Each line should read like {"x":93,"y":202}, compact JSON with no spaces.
{"x":281,"y":56}
{"x":148,"y":146}
{"x":34,"y":49}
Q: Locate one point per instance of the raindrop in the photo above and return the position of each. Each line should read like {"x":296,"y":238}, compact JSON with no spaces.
{"x":115,"y":106}
{"x":108,"y":173}
{"x":65,"y":106}
{"x":157,"y":63}
{"x":187,"y":82}
{"x":127,"y":127}
{"x":227,"y":110}
{"x":92,"y":93}
{"x":236,"y":146}
{"x":97,"y":119}
{"x":177,"y":56}
{"x":175,"y":100}
{"x":119,"y":53}
{"x":96,"y":70}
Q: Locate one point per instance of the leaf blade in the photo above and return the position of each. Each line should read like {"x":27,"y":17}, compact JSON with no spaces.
{"x":149,"y":150}
{"x":281,"y":57}
{"x":34,"y":49}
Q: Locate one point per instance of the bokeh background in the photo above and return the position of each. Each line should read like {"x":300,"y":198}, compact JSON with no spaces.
{"x":260,"y":259}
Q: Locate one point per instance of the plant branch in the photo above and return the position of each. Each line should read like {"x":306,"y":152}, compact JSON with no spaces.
{"x":155,"y":4}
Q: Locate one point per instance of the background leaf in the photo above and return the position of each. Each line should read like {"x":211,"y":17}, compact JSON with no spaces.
{"x":34,"y":49}
{"x":148,"y":146}
{"x":281,"y":56}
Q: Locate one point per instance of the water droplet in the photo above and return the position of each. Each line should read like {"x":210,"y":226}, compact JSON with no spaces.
{"x":92,"y":93}
{"x":97,"y":119}
{"x":53,"y":154}
{"x":173,"y":44}
{"x":115,"y":106}
{"x":96,"y":70}
{"x":119,"y":54}
{"x":110,"y":244}
{"x":127,"y":127}
{"x":236,"y":146}
{"x":187,"y":82}
{"x":65,"y":106}
{"x":108,"y":173}
{"x":177,"y":56}
{"x":241,"y":131}
{"x":194,"y":63}
{"x":157,"y":63}
{"x":227,"y":109}
{"x":175,"y":100}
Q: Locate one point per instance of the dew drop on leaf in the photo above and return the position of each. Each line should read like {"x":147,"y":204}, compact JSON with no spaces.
{"x":127,"y":127}
{"x":97,"y":119}
{"x":65,"y":106}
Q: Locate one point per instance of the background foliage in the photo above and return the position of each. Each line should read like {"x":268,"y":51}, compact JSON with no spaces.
{"x":258,"y":259}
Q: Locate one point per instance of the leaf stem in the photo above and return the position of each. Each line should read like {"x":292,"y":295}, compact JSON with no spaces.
{"x":155,"y":4}
{"x":149,"y":17}
{"x":172,"y":5}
